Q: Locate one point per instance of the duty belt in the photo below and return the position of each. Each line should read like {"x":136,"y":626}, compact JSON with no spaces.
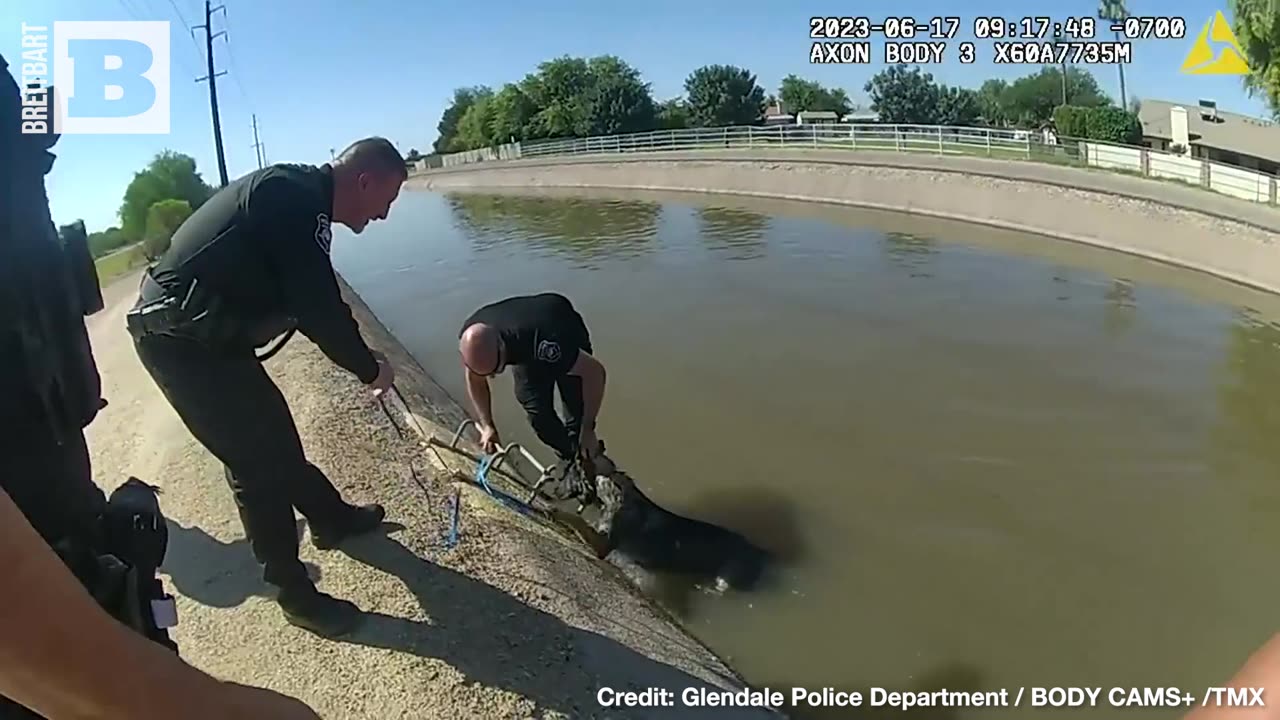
{"x":159,"y":313}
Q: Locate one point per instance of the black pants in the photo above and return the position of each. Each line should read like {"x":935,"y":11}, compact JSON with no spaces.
{"x":536,"y":394}
{"x":235,"y":411}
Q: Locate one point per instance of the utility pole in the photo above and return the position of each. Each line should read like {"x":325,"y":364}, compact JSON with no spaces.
{"x":213,"y":84}
{"x":257,"y":144}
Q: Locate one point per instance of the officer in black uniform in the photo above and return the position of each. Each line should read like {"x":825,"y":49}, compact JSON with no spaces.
{"x":251,"y":263}
{"x":546,"y":342}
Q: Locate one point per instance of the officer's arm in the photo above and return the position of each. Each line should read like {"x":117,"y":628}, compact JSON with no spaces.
{"x":481,"y":402}
{"x":62,"y":655}
{"x":287,"y":217}
{"x":592,"y":373}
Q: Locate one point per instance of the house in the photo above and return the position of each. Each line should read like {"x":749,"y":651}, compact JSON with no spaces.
{"x":1209,"y":133}
{"x":861,"y":116}
{"x":816,"y":117}
{"x":773,"y":115}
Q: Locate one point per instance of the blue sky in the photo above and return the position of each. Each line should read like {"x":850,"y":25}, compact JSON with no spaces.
{"x":320,"y":74}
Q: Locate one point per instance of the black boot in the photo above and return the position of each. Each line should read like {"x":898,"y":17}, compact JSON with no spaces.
{"x":358,"y":521}
{"x":325,"y":615}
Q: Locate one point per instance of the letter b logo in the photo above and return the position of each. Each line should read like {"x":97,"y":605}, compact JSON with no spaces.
{"x":111,"y":78}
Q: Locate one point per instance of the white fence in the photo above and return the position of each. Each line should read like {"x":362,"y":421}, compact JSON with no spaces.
{"x":931,"y":139}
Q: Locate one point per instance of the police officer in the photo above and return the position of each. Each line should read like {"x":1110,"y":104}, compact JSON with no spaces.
{"x":546,"y":343}
{"x":253,"y":262}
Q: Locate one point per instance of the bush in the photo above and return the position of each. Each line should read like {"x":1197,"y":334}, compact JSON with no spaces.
{"x":1069,"y":120}
{"x":163,"y":219}
{"x":1113,"y":124}
{"x":1105,"y":124}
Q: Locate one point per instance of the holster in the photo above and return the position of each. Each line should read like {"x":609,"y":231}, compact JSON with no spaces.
{"x":118,"y":562}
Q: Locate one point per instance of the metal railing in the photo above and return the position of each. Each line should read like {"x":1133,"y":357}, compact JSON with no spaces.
{"x":1233,"y":180}
{"x":933,"y":139}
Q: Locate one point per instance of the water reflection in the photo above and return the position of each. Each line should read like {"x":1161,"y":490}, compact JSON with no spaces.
{"x":732,"y":233}
{"x":1121,"y":307}
{"x":912,"y":253}
{"x":583,"y":230}
{"x":1250,"y":403}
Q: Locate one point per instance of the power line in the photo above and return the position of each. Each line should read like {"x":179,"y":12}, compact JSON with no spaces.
{"x":235,"y":68}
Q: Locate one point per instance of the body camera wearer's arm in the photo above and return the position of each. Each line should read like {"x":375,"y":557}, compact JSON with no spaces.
{"x":289,"y":223}
{"x":63,"y":656}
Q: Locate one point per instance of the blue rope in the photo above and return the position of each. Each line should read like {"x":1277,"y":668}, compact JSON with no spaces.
{"x":482,"y":478}
{"x":453,"y":525}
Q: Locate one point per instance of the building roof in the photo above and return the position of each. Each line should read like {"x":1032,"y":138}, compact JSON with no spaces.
{"x":1232,"y":132}
{"x":818,"y":114}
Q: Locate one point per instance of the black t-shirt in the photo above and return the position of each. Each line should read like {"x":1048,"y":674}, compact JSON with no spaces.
{"x":542,"y":333}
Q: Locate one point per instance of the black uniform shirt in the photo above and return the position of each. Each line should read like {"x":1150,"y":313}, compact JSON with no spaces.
{"x":542,"y":333}
{"x":261,"y":244}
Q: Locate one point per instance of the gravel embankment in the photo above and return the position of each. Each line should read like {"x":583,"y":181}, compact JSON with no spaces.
{"x":515,"y":621}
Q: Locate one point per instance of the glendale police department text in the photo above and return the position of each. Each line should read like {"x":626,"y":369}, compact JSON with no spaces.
{"x":879,"y":697}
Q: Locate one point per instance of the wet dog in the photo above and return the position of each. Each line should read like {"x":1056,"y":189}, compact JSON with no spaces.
{"x":638,"y":533}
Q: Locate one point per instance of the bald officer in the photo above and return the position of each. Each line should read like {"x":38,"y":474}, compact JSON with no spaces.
{"x":546,"y":343}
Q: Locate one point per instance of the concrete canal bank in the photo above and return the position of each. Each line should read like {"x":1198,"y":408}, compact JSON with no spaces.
{"x":515,"y":620}
{"x":1164,"y":221}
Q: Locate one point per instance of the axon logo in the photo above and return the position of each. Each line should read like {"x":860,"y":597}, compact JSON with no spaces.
{"x":108,"y":78}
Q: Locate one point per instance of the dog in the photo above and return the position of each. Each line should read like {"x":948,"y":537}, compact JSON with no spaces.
{"x":643,"y":539}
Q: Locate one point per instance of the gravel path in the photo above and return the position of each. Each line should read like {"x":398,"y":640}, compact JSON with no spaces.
{"x":513,"y":622}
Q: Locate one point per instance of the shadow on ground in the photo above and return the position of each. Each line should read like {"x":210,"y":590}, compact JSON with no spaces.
{"x":953,"y":677}
{"x":216,"y":573}
{"x":498,"y":641}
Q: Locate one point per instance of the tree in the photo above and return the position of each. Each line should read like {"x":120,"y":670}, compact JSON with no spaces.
{"x":1115,"y":11}
{"x":463,"y":98}
{"x":1257,"y":29}
{"x":673,"y":114}
{"x":163,"y":219}
{"x":578,"y":97}
{"x":903,"y":96}
{"x":104,"y":241}
{"x":799,"y":95}
{"x":475,"y":127}
{"x":719,"y":95}
{"x":557,"y":90}
{"x":617,"y":100}
{"x":991,"y":102}
{"x":957,"y":106}
{"x":170,"y":175}
{"x":413,"y":155}
{"x":1031,"y":99}
{"x":512,"y":113}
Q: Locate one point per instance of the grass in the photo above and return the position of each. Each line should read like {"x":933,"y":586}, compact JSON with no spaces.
{"x":120,"y":262}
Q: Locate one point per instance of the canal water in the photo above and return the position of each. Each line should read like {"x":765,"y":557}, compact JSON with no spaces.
{"x":994,"y":460}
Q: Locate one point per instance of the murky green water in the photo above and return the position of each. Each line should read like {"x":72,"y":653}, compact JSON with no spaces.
{"x":1003,"y":461}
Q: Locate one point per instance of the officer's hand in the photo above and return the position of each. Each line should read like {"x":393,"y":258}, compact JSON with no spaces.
{"x":489,"y":440}
{"x":386,"y":375}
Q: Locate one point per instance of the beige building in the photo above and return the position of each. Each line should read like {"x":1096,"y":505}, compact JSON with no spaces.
{"x":1212,"y":134}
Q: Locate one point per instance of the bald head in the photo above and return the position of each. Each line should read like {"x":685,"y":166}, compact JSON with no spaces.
{"x":481,"y":349}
